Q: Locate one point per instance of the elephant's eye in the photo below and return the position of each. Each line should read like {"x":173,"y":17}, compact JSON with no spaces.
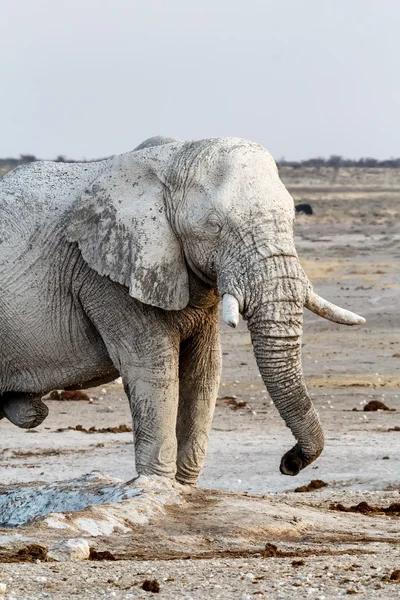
{"x":213,"y":225}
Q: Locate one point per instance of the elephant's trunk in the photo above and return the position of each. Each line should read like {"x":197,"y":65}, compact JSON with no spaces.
{"x":274,"y":311}
{"x":279,"y":361}
{"x":272,"y":297}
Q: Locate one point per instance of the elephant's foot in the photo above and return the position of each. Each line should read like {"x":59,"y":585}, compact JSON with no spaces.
{"x":187,"y":483}
{"x":22,"y":409}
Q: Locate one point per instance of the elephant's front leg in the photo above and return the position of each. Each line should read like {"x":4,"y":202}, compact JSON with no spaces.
{"x":199,"y":378}
{"x":144,"y":349}
{"x":153,"y":397}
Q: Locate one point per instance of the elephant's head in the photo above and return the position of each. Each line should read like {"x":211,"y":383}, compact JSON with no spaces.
{"x":216,"y":207}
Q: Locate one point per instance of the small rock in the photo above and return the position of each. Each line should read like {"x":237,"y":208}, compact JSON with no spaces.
{"x":395,"y":576}
{"x":151,"y":585}
{"x":102,"y":555}
{"x":41,"y":579}
{"x":3,"y":588}
{"x":70,"y":550}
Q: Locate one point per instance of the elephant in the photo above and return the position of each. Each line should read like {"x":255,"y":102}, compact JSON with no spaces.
{"x":117,"y":267}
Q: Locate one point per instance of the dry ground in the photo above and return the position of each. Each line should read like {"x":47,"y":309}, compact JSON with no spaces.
{"x":350,"y":248}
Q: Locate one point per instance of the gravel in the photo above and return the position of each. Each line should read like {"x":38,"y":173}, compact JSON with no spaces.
{"x":330,"y":577}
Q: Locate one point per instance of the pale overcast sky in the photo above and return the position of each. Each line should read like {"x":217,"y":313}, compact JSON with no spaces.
{"x":90,"y":78}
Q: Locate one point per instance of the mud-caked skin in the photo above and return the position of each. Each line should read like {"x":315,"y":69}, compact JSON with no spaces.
{"x":117,"y":267}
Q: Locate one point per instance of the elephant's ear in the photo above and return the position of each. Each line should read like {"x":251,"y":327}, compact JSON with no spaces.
{"x":121,"y":226}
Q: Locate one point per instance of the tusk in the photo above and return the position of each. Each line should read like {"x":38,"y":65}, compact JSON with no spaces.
{"x":230,"y":310}
{"x":330,"y":311}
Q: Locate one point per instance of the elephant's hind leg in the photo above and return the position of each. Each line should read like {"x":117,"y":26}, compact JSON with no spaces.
{"x":23,"y":409}
{"x":199,"y":377}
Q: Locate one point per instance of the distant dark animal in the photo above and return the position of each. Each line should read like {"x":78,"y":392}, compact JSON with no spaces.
{"x":304,"y":208}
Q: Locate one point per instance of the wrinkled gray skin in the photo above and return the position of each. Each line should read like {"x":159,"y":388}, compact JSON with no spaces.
{"x":117,"y":267}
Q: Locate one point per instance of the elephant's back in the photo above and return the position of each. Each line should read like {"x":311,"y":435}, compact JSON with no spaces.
{"x":34,"y":199}
{"x":44,"y":186}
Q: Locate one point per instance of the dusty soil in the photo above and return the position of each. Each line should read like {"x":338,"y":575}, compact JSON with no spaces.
{"x":350,"y":248}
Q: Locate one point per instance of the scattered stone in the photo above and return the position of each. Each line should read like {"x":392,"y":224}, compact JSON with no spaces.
{"x":351,"y":591}
{"x":102,"y":555}
{"x":315,"y":484}
{"x":375,"y":405}
{"x":397,"y":355}
{"x":70,"y":550}
{"x":151,"y":585}
{"x":3,"y":589}
{"x":396,"y":428}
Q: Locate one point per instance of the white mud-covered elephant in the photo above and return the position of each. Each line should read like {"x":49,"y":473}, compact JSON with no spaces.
{"x":118,"y":266}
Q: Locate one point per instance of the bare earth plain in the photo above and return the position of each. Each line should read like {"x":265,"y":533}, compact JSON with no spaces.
{"x":246,"y":533}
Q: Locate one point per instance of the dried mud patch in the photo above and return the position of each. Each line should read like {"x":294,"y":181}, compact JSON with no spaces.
{"x":321,"y":270}
{"x":161,"y":520}
{"x":30,"y":553}
{"x":347,"y":380}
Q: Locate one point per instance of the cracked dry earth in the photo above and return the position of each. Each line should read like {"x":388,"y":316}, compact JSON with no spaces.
{"x":246,"y":533}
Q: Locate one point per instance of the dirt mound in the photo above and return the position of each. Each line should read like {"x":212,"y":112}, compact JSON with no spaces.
{"x":120,"y":429}
{"x":315,"y":484}
{"x":366,"y":509}
{"x":375,"y":405}
{"x":68,"y":395}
